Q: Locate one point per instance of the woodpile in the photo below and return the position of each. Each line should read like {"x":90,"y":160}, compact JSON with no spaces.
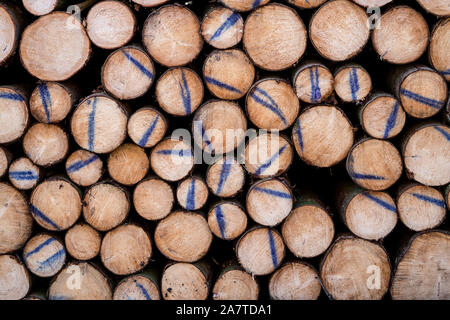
{"x":225,"y":150}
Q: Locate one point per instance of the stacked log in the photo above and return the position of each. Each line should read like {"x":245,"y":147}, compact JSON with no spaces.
{"x":171,"y":151}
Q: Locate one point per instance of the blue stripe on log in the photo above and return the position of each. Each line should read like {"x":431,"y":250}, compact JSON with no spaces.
{"x":143,"y":69}
{"x":185,"y":93}
{"x":39,"y":247}
{"x":443,"y":132}
{"x":46,"y":99}
{"x":204,"y":136}
{"x":445,"y":72}
{"x":39,"y":214}
{"x":390,"y":124}
{"x":190,"y":199}
{"x":11,"y":96}
{"x":178,"y":152}
{"x":52,"y":259}
{"x":421,"y":99}
{"x":231,"y":20}
{"x":362,"y":176}
{"x":149,"y":132}
{"x":23,"y":175}
{"x":223,"y":176}
{"x":220,"y":221}
{"x":298,"y":131}
{"x":273,"y":250}
{"x":91,"y":125}
{"x":315,"y":88}
{"x":354,"y":83}
{"x":269,"y":162}
{"x":432,"y":200}
{"x":382,"y":203}
{"x":78,"y":165}
{"x":143,"y":290}
{"x":272,"y":105}
{"x":274,"y":193}
{"x":221,"y":84}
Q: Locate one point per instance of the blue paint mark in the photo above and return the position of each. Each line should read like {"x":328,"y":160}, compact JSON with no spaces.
{"x":143,"y":290}
{"x":363,"y":176}
{"x":59,"y":298}
{"x":143,"y":69}
{"x":46,"y":99}
{"x":78,"y":165}
{"x":298,"y":131}
{"x":382,"y":203}
{"x":445,"y":73}
{"x":148,"y":133}
{"x":274,"y":193}
{"x":421,"y":99}
{"x":354,"y":84}
{"x":11,"y":96}
{"x":52,"y":259}
{"x":221,"y":84}
{"x":443,"y":132}
{"x":220,"y":221}
{"x":204,"y":136}
{"x":268,"y":163}
{"x":180,"y":153}
{"x":185,"y":93}
{"x":315,"y":88}
{"x":271,"y":105}
{"x":39,"y":247}
{"x":223,"y":176}
{"x":434,"y":201}
{"x":23,"y":175}
{"x":42,"y":216}
{"x":231,"y":20}
{"x":190,"y":200}
{"x":391,"y":120}
{"x":91,"y":128}
{"x":273,"y":250}
{"x":256,"y":3}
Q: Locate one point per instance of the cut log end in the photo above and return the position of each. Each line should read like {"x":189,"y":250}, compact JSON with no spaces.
{"x":14,"y":111}
{"x":153,"y":199}
{"x":436,"y":7}
{"x":352,"y":83}
{"x":146,"y":127}
{"x":313,"y":82}
{"x":150,"y":3}
{"x":84,"y":168}
{"x":82,"y":242}
{"x":40,"y":8}
{"x":15,"y":281}
{"x":24,"y":174}
{"x":235,"y":284}
{"x":128,"y":164}
{"x":295,"y":281}
{"x":50,"y":102}
{"x":192,"y":193}
{"x":306,"y":4}
{"x":372,"y":3}
{"x":227,"y":220}
{"x":225,"y":178}
{"x":9,"y":32}
{"x":5,"y":158}
{"x":184,"y":281}
{"x":137,"y":287}
{"x":439,"y":52}
{"x":243,"y":5}
{"x":274,"y":24}
{"x":339,"y":30}
{"x":222,"y":28}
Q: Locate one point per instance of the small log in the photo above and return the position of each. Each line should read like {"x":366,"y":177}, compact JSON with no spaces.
{"x":15,"y":220}
{"x":153,"y":199}
{"x":420,"y":207}
{"x":24,"y":174}
{"x":228,"y":73}
{"x":401,"y":35}
{"x":192,"y":193}
{"x":422,"y":268}
{"x":82,"y":242}
{"x":105,"y":206}
{"x":110,"y":24}
{"x":172,"y":36}
{"x":14,"y":111}
{"x":128,"y":164}
{"x":186,"y":281}
{"x":272,"y":25}
{"x":268,"y":154}
{"x":234,"y":283}
{"x":313,"y":82}
{"x":382,"y":117}
{"x":41,"y":7}
{"x":306,"y":4}
{"x":84,"y":168}
{"x":339,"y":30}
{"x":272,"y":104}
{"x":54,"y":47}
{"x":227,"y":220}
{"x":352,"y":83}
{"x":322,"y":136}
{"x":44,"y":255}
{"x":426,"y":151}
{"x":172,"y":159}
{"x":80,"y":281}
{"x":141,"y":286}
{"x":99,"y":123}
{"x":146,"y":127}
{"x":175,"y":238}
{"x":53,"y":197}
{"x":269,"y":202}
{"x":372,"y":3}
{"x":149,"y":3}
{"x":5,"y":160}
{"x":51,"y":102}
{"x":308,"y":230}
{"x":295,"y":280}
{"x":421,"y":90}
{"x":243,"y":5}
{"x":269,"y":254}
{"x":222,"y":28}
{"x":371,"y":215}
{"x":11,"y":27}
{"x":126,"y":249}
{"x":219,"y":126}
{"x":15,"y":281}
{"x":225,"y":178}
{"x":374,"y":164}
{"x":46,"y":144}
{"x":187,"y":96}
{"x":436,"y":7}
{"x":128,"y":73}
{"x":355,"y":269}
{"x":439,"y":52}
